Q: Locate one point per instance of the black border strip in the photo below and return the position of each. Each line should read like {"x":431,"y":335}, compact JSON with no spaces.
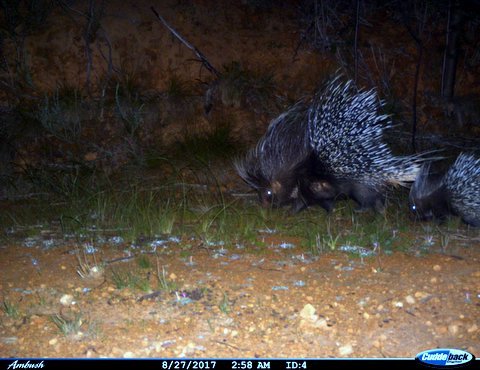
{"x":215,"y":364}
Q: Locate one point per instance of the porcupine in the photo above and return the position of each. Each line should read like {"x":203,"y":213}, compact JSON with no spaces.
{"x":349,"y":155}
{"x":456,"y":192}
{"x":331,"y":147}
{"x":268,"y":168}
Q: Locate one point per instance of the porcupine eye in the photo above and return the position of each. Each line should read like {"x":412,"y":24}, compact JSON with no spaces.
{"x":267,"y":197}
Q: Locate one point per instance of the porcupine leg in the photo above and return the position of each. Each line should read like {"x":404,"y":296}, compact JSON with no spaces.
{"x":472,"y":221}
{"x":301,"y":203}
{"x":298,"y":205}
{"x":318,"y":192}
{"x":367,"y":198}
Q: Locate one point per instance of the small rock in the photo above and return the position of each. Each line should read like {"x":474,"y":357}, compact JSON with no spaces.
{"x":397,"y":304}
{"x":345,"y":350}
{"x":441,"y":330}
{"x":67,"y":300}
{"x":437,"y":268}
{"x":453,"y":329}
{"x":53,"y":341}
{"x":321,"y":324}
{"x":128,"y":354}
{"x":307,"y":311}
{"x":409,"y":299}
{"x":421,"y":295}
{"x":472,"y":328}
{"x":9,"y":340}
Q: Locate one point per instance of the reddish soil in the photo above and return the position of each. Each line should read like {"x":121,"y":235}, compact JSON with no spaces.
{"x":267,"y":302}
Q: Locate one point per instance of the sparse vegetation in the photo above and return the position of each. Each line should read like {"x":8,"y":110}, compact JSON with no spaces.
{"x":224,"y":304}
{"x":61,"y":114}
{"x":68,"y":325}
{"x":164,"y":283}
{"x":10,"y":309}
{"x":144,"y":262}
{"x":89,"y":268}
{"x":130,"y":279}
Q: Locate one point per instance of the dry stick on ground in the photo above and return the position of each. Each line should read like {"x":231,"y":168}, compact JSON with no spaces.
{"x":199,"y":54}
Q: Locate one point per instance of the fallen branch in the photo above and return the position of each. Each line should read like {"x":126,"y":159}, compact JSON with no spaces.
{"x":199,"y":54}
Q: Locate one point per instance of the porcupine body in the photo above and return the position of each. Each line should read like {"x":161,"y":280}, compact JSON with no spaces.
{"x":349,"y":155}
{"x":456,"y":192}
{"x":270,"y":167}
{"x":327,"y":149}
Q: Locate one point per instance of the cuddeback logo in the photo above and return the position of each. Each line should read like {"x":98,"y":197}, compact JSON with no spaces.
{"x":444,"y":357}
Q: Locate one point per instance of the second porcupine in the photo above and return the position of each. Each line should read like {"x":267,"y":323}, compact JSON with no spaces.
{"x":456,"y":192}
{"x":349,"y":155}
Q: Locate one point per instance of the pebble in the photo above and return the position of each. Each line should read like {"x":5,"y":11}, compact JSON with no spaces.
{"x":421,"y":295}
{"x":409,"y":299}
{"x":307,"y":311}
{"x":67,"y":300}
{"x":9,"y":340}
{"x":442,"y":330}
{"x":345,"y":350}
{"x":53,"y":341}
{"x":453,"y":329}
{"x":437,"y":268}
{"x":472,"y":328}
{"x":128,"y":354}
{"x":397,"y":304}
{"x":321,"y":323}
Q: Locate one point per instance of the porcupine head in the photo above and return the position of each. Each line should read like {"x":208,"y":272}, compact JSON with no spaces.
{"x":273,"y":191}
{"x":428,"y":195}
{"x":457,"y":192}
{"x":271,"y":167}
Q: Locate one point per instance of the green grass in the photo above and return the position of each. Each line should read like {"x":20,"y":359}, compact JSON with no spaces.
{"x":144,"y":262}
{"x":10,"y":309}
{"x":224,"y":304}
{"x":68,"y":325}
{"x":191,"y":202}
{"x":164,"y":283}
{"x":88,"y":267}
{"x":130,"y":279}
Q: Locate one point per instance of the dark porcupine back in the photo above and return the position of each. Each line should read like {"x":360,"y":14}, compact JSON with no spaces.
{"x":269,"y":167}
{"x":350,"y":157}
{"x":456,"y":192}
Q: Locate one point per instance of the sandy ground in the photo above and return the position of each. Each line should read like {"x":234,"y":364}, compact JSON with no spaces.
{"x":269,"y":301}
